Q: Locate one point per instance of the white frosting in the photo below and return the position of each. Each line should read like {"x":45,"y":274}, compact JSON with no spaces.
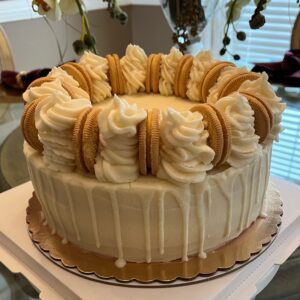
{"x":262,"y":89}
{"x":201,"y":63}
{"x":134,"y":65}
{"x":55,"y":117}
{"x":97,"y":68}
{"x":185,"y":155}
{"x":150,"y":219}
{"x":226,"y":74}
{"x":169,"y":64}
{"x":47,"y":88}
{"x":244,"y":146}
{"x":117,"y":161}
{"x":63,"y":76}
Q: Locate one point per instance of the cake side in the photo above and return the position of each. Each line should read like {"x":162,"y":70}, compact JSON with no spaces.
{"x":150,"y":219}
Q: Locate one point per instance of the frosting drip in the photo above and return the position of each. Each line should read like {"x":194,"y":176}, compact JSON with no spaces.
{"x":97,"y":68}
{"x":55,"y":117}
{"x":244,"y":140}
{"x":185,"y":155}
{"x":202,"y":61}
{"x":134,"y":65}
{"x":226,"y":74}
{"x":169,"y":63}
{"x":262,"y":89}
{"x":47,"y":88}
{"x":117,"y":161}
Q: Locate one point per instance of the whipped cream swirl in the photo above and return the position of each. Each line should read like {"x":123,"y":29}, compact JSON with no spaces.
{"x":68,"y":82}
{"x":185,"y":155}
{"x":226,"y":74}
{"x":97,"y":68}
{"x":117,"y":160}
{"x":262,"y":89}
{"x":169,"y":64}
{"x":201,"y":63}
{"x":239,"y":113}
{"x":134,"y":65}
{"x":47,"y":88}
{"x":55,"y":117}
{"x":63,"y":76}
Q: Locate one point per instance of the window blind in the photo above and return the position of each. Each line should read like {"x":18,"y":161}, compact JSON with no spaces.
{"x":268,"y":44}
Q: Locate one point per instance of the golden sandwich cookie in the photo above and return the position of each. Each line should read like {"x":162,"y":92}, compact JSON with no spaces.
{"x":211,"y":76}
{"x":233,"y":83}
{"x":263,"y":118}
{"x":182,"y":75}
{"x":219,"y":132}
{"x":77,"y":139}
{"x":149,"y":140}
{"x":28,"y":125}
{"x":153,"y":73}
{"x":80,"y":75}
{"x":90,"y":139}
{"x":115,"y":74}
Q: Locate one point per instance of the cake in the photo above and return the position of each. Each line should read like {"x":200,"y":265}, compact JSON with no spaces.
{"x":150,"y":158}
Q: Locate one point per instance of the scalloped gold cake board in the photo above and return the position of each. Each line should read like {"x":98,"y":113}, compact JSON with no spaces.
{"x":239,"y":250}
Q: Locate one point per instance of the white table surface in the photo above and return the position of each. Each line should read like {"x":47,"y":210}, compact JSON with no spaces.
{"x":19,"y":254}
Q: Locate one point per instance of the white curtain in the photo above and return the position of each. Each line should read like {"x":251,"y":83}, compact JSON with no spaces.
{"x":211,"y":37}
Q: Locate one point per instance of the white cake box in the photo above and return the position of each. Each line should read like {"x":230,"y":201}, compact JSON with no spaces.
{"x":19,"y":254}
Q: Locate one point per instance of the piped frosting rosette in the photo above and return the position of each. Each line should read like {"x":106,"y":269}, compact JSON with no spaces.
{"x":134,"y":65}
{"x":55,"y":117}
{"x":262,"y":89}
{"x":185,"y":155}
{"x":97,"y":68}
{"x":68,"y":83}
{"x":176,"y":145}
{"x":46,"y":88}
{"x":201,"y":63}
{"x":244,"y":143}
{"x":117,"y":159}
{"x":169,"y":63}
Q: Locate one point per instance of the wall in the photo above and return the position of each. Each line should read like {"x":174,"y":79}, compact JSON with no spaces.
{"x":150,"y":29}
{"x":34,"y":46}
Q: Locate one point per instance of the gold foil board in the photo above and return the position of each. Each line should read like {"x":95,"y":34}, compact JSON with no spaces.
{"x":238,"y":250}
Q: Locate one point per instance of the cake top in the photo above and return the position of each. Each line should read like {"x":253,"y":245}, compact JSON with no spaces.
{"x":172,"y":116}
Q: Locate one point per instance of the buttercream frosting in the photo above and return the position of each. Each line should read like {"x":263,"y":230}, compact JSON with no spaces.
{"x":185,"y":155}
{"x":134,"y":65}
{"x":55,"y":117}
{"x":47,"y":88}
{"x":244,"y":148}
{"x":117,"y":160}
{"x":226,"y":74}
{"x":97,"y":68}
{"x":262,"y":89}
{"x":63,"y":76}
{"x":169,"y":64}
{"x":201,"y":63}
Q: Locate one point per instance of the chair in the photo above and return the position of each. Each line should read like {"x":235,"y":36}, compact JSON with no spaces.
{"x":6,"y":58}
{"x":7,"y":63}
